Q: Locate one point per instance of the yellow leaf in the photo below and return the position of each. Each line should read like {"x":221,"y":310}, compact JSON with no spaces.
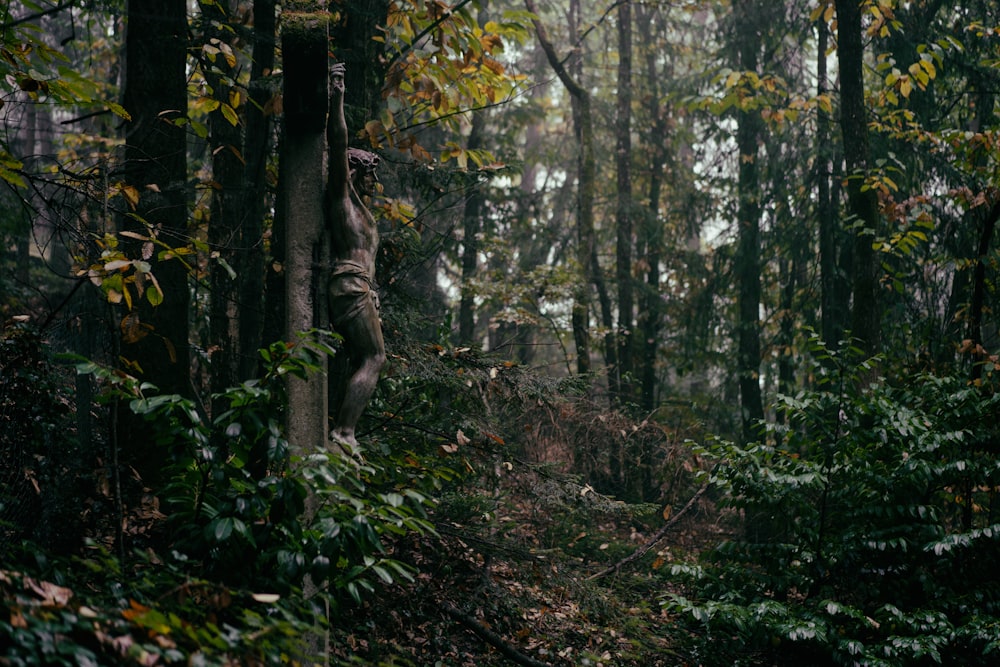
{"x":131,"y":195}
{"x":230,"y":114}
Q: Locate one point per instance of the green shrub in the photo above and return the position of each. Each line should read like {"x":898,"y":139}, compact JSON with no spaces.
{"x":236,"y":498}
{"x":870,"y":535}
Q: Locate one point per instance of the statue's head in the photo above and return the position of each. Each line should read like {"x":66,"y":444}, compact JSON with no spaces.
{"x":363,"y":165}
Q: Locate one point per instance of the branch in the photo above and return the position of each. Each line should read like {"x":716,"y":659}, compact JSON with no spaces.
{"x":490,"y":637}
{"x":559,"y":66}
{"x":660,"y":534}
{"x":593,"y":26}
{"x":37,"y":15}
{"x":84,"y":117}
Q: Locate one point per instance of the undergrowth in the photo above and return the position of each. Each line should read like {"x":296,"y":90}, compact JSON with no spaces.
{"x":871,"y":529}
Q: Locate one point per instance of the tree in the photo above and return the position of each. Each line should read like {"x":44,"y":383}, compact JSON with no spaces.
{"x":154,"y":340}
{"x":586,"y":174}
{"x":257,"y":147}
{"x":832,"y":295}
{"x":623,"y":211}
{"x":866,"y":318}
{"x":471,"y":227}
{"x":228,"y":211}
{"x":651,"y":234}
{"x":751,"y":27}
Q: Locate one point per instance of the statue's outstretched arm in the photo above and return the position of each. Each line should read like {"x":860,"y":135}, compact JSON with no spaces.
{"x":336,"y":137}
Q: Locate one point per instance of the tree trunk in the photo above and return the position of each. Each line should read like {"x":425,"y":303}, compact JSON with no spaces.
{"x":471,"y":226}
{"x":256,"y":150}
{"x":833,"y":320}
{"x":866,"y":321}
{"x":304,"y":42}
{"x":360,"y":21}
{"x":155,"y":94}
{"x":623,"y":213}
{"x":979,"y":288}
{"x":649,"y":309}
{"x":586,"y":176}
{"x":227,"y":208}
{"x":748,"y":244}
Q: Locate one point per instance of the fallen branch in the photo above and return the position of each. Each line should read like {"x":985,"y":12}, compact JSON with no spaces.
{"x":490,"y":637}
{"x":660,"y":534}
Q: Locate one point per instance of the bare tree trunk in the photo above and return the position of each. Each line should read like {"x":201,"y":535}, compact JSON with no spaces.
{"x":748,"y":244}
{"x":979,"y":288}
{"x":586,"y":175}
{"x":155,"y":93}
{"x":304,"y":44}
{"x":471,"y":226}
{"x":833,"y":319}
{"x":28,"y":149}
{"x":866,"y":318}
{"x":256,"y":150}
{"x":649,"y":309}
{"x":227,"y":208}
{"x":623,"y":213}
{"x":354,"y":46}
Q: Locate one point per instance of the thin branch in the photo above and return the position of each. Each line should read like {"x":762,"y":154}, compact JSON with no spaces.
{"x":593,"y":26}
{"x":660,"y":534}
{"x":78,"y":119}
{"x":36,"y":15}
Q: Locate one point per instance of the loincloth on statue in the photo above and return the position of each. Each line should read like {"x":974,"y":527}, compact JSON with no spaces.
{"x":350,"y":291}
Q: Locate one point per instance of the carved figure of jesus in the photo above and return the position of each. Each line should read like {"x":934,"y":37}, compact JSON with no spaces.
{"x":353,"y":301}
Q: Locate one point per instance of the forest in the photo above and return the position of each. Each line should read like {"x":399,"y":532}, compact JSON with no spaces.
{"x":691,"y":324}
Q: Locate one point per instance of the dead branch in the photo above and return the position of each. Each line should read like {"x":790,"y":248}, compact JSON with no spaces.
{"x":659,"y":535}
{"x":490,"y":637}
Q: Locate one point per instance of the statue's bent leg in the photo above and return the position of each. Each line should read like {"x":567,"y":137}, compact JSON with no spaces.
{"x":362,"y":334}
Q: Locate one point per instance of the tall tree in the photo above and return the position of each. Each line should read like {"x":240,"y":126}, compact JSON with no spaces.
{"x":652,"y":232}
{"x":257,"y":145}
{"x":831,"y":298}
{"x":471,"y":226}
{"x":750,"y":19}
{"x":155,"y":339}
{"x":586,"y":185}
{"x":304,"y":42}
{"x":623,"y":212}
{"x":228,"y":206}
{"x":866,"y":318}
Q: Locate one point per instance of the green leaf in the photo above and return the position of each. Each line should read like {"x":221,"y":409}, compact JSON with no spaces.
{"x":154,"y":295}
{"x":222,"y":529}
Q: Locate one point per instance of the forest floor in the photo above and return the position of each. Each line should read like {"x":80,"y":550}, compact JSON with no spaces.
{"x":534,"y":569}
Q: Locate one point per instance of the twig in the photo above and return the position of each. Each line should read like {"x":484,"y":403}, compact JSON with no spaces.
{"x":660,"y":534}
{"x":490,"y":637}
{"x":37,"y":15}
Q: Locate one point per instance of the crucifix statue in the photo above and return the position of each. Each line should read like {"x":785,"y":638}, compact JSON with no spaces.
{"x":353,"y":300}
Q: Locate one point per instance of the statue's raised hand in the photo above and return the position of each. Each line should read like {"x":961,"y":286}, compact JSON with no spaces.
{"x":337,"y":76}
